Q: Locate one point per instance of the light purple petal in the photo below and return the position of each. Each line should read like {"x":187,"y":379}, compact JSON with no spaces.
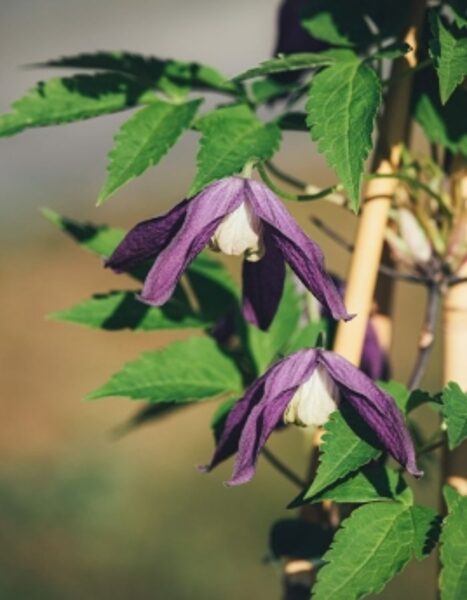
{"x":263,"y":284}
{"x":204,"y":213}
{"x":303,"y":255}
{"x":375,"y":407}
{"x":147,"y":239}
{"x":281,"y":383}
{"x":287,"y":374}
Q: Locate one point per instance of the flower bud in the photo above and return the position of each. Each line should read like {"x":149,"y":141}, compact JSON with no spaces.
{"x":414,"y":236}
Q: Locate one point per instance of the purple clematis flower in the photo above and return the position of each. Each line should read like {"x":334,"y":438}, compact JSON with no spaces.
{"x":236,"y":216}
{"x":304,"y":388}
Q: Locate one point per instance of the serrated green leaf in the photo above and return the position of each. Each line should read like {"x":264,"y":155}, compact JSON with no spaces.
{"x":230,"y":137}
{"x":454,"y":409}
{"x":451,"y":496}
{"x":121,"y":310}
{"x":427,"y":528}
{"x":265,"y":346}
{"x":449,"y":51}
{"x":166,"y":75}
{"x":373,"y":483}
{"x":293,"y":121}
{"x":372,"y":546}
{"x":265,"y":90}
{"x":186,"y":371}
{"x":342,"y":450}
{"x":98,"y":239}
{"x":445,"y":125}
{"x":287,"y":62}
{"x":342,"y":107}
{"x":64,"y":100}
{"x":453,"y":578}
{"x":144,"y":139}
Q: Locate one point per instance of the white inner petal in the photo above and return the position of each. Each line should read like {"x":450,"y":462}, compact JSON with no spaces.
{"x":414,"y":236}
{"x":239,"y":233}
{"x":313,"y":401}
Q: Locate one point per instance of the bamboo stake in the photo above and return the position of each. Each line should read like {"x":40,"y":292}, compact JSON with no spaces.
{"x":455,"y":345}
{"x":372,"y":224}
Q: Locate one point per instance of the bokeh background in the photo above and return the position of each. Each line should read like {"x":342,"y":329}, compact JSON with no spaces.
{"x":83,"y":516}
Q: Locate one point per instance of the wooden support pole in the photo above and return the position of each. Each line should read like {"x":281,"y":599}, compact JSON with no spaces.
{"x":455,"y":343}
{"x":372,"y":223}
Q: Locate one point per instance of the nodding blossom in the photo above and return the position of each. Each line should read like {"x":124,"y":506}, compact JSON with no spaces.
{"x":236,"y":216}
{"x":305,"y":388}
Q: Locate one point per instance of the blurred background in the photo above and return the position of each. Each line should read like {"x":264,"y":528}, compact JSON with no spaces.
{"x":83,"y":515}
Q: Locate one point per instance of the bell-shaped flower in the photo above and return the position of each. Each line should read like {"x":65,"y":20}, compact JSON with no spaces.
{"x":305,"y":388}
{"x":236,"y":216}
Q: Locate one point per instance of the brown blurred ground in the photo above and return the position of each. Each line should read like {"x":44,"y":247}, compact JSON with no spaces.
{"x":83,"y":516}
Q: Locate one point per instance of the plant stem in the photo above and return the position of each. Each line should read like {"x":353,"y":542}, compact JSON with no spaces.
{"x":427,"y":335}
{"x":300,"y":197}
{"x":286,"y":178}
{"x":282,"y":468}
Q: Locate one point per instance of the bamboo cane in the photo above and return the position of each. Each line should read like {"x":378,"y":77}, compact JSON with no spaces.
{"x":455,"y":345}
{"x":370,"y":235}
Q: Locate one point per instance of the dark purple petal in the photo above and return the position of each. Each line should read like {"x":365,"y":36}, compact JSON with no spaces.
{"x":147,"y":239}
{"x":204,"y":213}
{"x":375,"y":407}
{"x":286,"y":375}
{"x":303,"y":255}
{"x":263,"y":284}
{"x":374,"y":361}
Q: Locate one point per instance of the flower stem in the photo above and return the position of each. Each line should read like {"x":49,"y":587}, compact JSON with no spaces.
{"x":427,"y":336}
{"x":282,"y":468}
{"x":298,"y":198}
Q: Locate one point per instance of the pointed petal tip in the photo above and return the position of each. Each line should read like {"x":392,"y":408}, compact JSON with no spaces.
{"x":147,"y":300}
{"x":203,"y":468}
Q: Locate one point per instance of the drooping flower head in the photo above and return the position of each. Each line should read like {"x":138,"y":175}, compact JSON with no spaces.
{"x":236,"y":216}
{"x":305,"y":388}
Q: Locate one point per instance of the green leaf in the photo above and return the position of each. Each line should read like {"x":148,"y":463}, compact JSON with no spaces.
{"x":307,"y":336}
{"x":392,"y":51}
{"x":347,"y":445}
{"x":445,"y":125}
{"x":342,"y":107}
{"x":454,"y":409}
{"x":121,"y":310}
{"x":64,"y":100}
{"x":293,"y":121}
{"x":265,"y":90}
{"x":427,"y":529}
{"x":166,"y":75}
{"x":230,"y":137}
{"x":98,"y":239}
{"x":449,"y":51}
{"x":459,"y":8}
{"x":287,"y":62}
{"x":453,"y":579}
{"x":372,"y":545}
{"x":194,"y":369}
{"x":370,"y":484}
{"x":144,"y":139}
{"x":265,"y":346}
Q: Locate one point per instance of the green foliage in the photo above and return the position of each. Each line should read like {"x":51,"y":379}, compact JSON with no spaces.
{"x":347,"y":445}
{"x":445,"y":125}
{"x":453,"y":579}
{"x":307,"y":336}
{"x":68,"y":99}
{"x":194,"y":369}
{"x":342,"y":106}
{"x":449,"y":50}
{"x":406,"y":400}
{"x":119,"y":310}
{"x":454,"y":409}
{"x":372,"y":545}
{"x":265,"y":346}
{"x":98,"y":239}
{"x":288,"y":62}
{"x":230,"y":137}
{"x":373,"y":483}
{"x":144,"y":139}
{"x":173,"y":77}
